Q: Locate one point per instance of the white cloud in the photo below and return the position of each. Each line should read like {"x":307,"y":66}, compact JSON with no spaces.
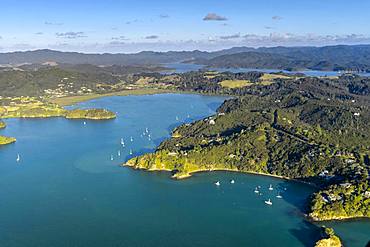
{"x":207,"y":43}
{"x":305,"y":39}
{"x":120,"y":38}
{"x":71,"y":35}
{"x":53,"y":23}
{"x":152,"y":37}
{"x":277,"y":18}
{"x":232,"y":36}
{"x":214,"y":17}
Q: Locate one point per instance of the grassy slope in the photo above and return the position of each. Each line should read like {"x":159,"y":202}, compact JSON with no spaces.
{"x":71,"y":100}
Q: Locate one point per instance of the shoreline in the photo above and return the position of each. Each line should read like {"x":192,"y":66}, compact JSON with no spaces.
{"x":307,"y":216}
{"x":71,"y":100}
{"x":190,"y":174}
{"x":338,"y":219}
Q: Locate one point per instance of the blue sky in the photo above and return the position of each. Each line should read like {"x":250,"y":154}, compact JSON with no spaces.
{"x":161,"y":25}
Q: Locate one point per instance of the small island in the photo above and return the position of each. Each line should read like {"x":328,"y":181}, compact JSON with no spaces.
{"x":3,"y":139}
{"x":6,"y":140}
{"x":93,"y":114}
{"x":33,"y":107}
{"x":2,"y":125}
{"x":329,"y":239}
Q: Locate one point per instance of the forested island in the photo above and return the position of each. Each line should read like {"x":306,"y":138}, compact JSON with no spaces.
{"x":94,"y":114}
{"x":32,"y":107}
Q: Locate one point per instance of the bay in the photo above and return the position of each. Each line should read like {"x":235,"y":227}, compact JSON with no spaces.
{"x":66,"y":190}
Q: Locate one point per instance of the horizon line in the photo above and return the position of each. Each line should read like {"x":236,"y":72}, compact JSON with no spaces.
{"x":190,"y":50}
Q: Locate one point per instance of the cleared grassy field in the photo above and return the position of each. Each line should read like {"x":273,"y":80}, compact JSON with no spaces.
{"x":235,"y":83}
{"x":70,"y":100}
{"x":271,"y":77}
{"x":266,"y":79}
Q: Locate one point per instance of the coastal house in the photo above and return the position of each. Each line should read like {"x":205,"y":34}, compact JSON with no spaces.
{"x":333,"y":198}
{"x":325,"y":198}
{"x":346,"y":185}
{"x":324,"y":173}
{"x":367,"y":194}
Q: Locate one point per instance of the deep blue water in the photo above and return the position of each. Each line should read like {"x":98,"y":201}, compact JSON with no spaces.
{"x":183,"y":68}
{"x":66,"y":190}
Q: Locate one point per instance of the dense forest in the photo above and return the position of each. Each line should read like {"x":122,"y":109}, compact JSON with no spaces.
{"x":33,"y":80}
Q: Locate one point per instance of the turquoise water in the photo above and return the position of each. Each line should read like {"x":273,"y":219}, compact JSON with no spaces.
{"x":66,"y":190}
{"x":183,"y":68}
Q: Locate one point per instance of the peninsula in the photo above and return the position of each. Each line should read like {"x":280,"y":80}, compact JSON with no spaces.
{"x":310,"y":129}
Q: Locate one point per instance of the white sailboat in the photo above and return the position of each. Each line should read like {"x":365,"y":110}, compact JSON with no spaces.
{"x":256,"y":190}
{"x":119,"y":153}
{"x":18,"y":158}
{"x":146,"y":130}
{"x":232,"y":181}
{"x":131,"y":139}
{"x":279,"y":196}
{"x":130,"y":151}
{"x":84,"y":123}
{"x":111,"y":157}
{"x":268,"y":202}
{"x":218,"y":183}
{"x":270,"y":188}
{"x":122,"y":142}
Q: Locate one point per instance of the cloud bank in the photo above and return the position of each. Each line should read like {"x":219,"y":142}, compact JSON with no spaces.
{"x":71,"y":35}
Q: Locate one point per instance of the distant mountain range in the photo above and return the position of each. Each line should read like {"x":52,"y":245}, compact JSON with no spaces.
{"x":145,"y":57}
{"x":341,"y":57}
{"x":353,"y":58}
